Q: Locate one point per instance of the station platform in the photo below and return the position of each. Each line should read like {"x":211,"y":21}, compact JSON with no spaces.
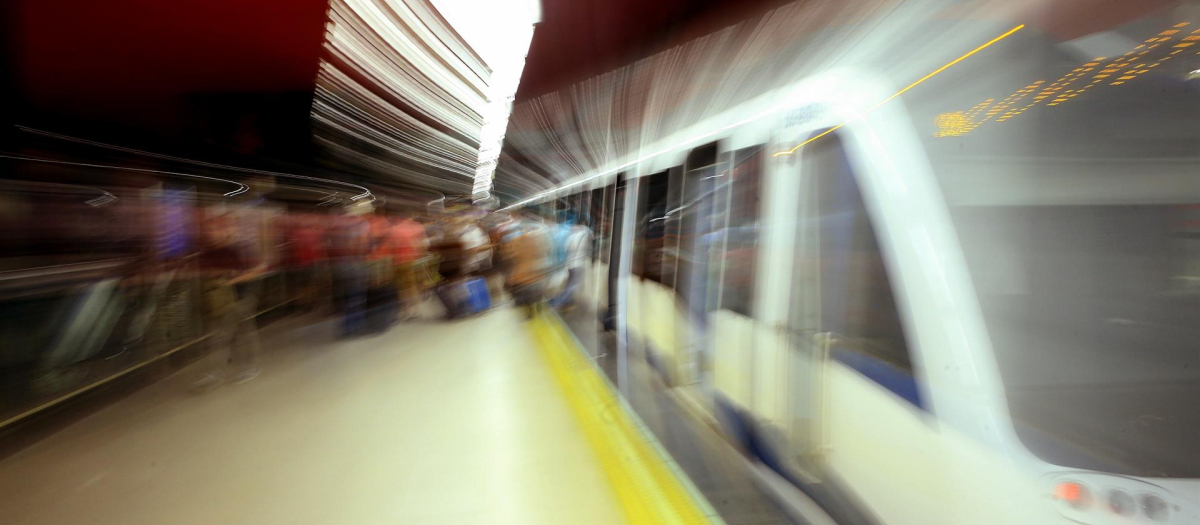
{"x":430,"y":422}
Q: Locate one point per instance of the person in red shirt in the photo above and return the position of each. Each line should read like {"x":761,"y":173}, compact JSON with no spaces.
{"x":307,"y":254}
{"x":381,"y":290}
{"x":410,"y":250}
{"x":348,"y":243}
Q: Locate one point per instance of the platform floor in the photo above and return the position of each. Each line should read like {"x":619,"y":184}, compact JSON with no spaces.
{"x":429,"y":423}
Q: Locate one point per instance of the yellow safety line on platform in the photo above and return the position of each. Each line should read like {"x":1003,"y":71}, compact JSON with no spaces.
{"x":649,"y":490}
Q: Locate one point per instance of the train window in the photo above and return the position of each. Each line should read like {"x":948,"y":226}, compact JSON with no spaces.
{"x":856,"y":302}
{"x":741,"y":231}
{"x":648,"y":251}
{"x":581,"y":207}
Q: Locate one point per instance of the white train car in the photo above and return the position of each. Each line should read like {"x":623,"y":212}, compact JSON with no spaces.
{"x":968,"y":299}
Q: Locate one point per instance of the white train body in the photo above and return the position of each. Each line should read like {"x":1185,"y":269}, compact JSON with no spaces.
{"x":929,"y":436}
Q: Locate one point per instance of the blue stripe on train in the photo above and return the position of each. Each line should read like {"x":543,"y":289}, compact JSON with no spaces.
{"x":739,"y":425}
{"x":901,"y":382}
{"x":835,"y":499}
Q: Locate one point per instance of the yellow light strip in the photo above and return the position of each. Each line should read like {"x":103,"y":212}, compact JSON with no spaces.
{"x":802,"y":144}
{"x":951,"y":63}
{"x":1006,"y":34}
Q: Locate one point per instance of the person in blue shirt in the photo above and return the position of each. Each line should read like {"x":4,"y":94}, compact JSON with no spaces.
{"x":574,"y":241}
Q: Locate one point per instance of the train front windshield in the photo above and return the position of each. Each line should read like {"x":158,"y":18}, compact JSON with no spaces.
{"x":1079,"y":216}
{"x":1094,"y":313}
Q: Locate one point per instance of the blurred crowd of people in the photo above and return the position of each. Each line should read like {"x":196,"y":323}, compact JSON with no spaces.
{"x":95,"y":282}
{"x":371,"y":268}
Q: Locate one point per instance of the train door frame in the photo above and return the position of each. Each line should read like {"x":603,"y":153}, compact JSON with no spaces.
{"x":624,"y":205}
{"x":613,"y":193}
{"x":803,"y":442}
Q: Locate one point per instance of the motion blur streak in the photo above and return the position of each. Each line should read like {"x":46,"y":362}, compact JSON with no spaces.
{"x":910,"y":86}
{"x":241,"y":188}
{"x":366,"y":193}
{"x":951,"y":63}
{"x":530,"y":262}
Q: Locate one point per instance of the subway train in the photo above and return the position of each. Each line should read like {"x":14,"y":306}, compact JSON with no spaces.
{"x":965,"y":294}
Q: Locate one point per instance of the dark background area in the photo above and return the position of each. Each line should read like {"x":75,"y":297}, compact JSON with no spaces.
{"x":182,"y":76}
{"x":214,"y":77}
{"x":235,"y":77}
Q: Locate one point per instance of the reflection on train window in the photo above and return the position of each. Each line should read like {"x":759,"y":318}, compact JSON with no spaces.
{"x":856,"y":299}
{"x":713,"y":240}
{"x":605,"y":203}
{"x":671,"y":225}
{"x":596,"y":221}
{"x":741,"y":232}
{"x":693,"y":226}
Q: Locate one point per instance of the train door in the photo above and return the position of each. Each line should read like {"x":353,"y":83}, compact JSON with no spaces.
{"x":651,"y":272}
{"x":736,"y":239}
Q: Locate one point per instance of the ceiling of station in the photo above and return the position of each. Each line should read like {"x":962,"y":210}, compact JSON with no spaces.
{"x":579,"y":39}
{"x":232,"y":73}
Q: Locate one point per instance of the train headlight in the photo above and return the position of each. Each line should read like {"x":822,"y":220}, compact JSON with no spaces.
{"x":1155,"y":508}
{"x":1120,"y":502}
{"x":1074,"y":494}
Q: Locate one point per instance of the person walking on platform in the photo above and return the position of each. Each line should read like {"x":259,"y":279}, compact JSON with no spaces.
{"x":348,"y":242}
{"x":527,"y":248}
{"x":498,"y":225}
{"x":465,"y":251}
{"x":410,"y":255}
{"x":382,"y":297}
{"x":230,"y":297}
